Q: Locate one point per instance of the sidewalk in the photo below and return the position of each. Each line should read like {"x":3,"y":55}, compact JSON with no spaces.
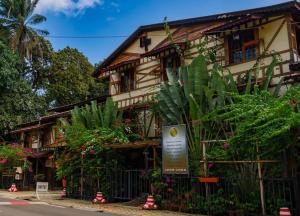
{"x":53,"y":198}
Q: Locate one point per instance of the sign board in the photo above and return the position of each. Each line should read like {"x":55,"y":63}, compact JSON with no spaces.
{"x":35,"y":144}
{"x":42,"y":187}
{"x":18,"y":176}
{"x":175,"y":150}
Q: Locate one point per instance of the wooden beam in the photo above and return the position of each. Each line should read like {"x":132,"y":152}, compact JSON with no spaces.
{"x":275,"y":35}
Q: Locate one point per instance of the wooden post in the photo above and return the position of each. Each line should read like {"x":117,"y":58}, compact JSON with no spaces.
{"x":81,"y":177}
{"x":154,"y":156}
{"x":205,"y":166}
{"x":261,"y":185}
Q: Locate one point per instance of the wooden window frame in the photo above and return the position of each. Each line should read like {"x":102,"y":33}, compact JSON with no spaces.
{"x":131,"y":83}
{"x":255,"y":42}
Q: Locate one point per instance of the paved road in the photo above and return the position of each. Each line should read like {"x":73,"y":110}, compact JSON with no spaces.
{"x":9,"y":207}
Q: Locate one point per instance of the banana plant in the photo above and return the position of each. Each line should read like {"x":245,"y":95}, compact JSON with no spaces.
{"x":95,"y":116}
{"x":188,"y":98}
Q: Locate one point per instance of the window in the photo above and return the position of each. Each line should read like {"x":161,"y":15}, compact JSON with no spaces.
{"x":242,"y":46}
{"x":105,"y":85}
{"x":127,"y":81}
{"x":172,"y":62}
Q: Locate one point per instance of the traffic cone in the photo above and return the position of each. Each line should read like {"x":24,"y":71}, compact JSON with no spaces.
{"x":13,"y":188}
{"x":63,"y":194}
{"x":99,"y":198}
{"x":150,"y":204}
{"x":284,"y":212}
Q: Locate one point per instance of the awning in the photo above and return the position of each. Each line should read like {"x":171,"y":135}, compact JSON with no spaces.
{"x":123,"y":60}
{"x":182,"y":35}
{"x":30,"y":128}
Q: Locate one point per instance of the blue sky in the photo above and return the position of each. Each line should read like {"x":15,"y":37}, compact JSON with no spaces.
{"x":121,"y":18}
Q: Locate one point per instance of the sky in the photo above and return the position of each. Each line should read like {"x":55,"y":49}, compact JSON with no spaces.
{"x":119,"y":18}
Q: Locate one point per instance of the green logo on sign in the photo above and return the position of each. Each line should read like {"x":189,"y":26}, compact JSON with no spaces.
{"x":173,"y":132}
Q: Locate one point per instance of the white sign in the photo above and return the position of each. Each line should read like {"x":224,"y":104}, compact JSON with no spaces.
{"x":175,"y":150}
{"x":42,"y":187}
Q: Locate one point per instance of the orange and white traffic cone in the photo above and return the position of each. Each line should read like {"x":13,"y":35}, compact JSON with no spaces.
{"x":13,"y":188}
{"x":150,"y":204}
{"x":63,"y":194}
{"x":284,"y":212}
{"x":99,"y":198}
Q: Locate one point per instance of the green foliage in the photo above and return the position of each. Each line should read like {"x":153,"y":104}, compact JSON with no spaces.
{"x":197,"y":91}
{"x":17,"y":23}
{"x":69,"y":78}
{"x":10,"y":155}
{"x":18,"y":102}
{"x":91,"y":127}
{"x":261,"y":119}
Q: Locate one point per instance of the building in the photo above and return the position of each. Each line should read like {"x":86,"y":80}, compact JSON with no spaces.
{"x":137,"y":67}
{"x":42,"y":138}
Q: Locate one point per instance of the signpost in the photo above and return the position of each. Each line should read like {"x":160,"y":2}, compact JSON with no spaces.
{"x":41,"y":187}
{"x":175,"y":150}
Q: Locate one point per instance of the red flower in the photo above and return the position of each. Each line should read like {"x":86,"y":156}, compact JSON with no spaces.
{"x":93,"y":152}
{"x":226,"y":145}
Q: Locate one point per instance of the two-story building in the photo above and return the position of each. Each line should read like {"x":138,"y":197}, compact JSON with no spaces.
{"x":41,"y":139}
{"x":137,"y":67}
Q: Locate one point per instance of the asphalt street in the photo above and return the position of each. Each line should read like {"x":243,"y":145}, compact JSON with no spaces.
{"x":9,"y":207}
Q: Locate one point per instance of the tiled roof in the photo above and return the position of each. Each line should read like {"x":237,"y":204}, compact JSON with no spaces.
{"x":124,"y":58}
{"x":182,"y":35}
{"x":29,"y":128}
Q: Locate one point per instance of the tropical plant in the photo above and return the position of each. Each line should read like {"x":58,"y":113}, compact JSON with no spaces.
{"x":264,"y":125}
{"x":17,"y":22}
{"x":10,"y":156}
{"x":88,"y":129}
{"x":197,"y":91}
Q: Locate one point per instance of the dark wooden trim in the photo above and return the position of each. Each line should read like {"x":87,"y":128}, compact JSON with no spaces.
{"x":148,"y":80}
{"x":149,"y":67}
{"x":150,"y":73}
{"x":289,"y":30}
{"x":148,"y":86}
{"x":262,"y":68}
{"x":275,"y":35}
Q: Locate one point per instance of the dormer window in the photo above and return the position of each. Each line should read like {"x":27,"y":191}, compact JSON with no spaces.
{"x":127,"y":80}
{"x":145,"y":42}
{"x":242,"y":46}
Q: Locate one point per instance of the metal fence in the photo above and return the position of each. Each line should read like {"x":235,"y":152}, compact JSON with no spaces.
{"x":185,"y":193}
{"x":26,"y":183}
{"x":115,"y":183}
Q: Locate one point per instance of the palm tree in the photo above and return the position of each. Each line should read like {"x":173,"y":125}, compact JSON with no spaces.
{"x":17,"y":26}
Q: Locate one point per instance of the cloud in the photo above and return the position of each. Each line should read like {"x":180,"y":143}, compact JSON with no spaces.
{"x":68,"y":7}
{"x":115,"y":6}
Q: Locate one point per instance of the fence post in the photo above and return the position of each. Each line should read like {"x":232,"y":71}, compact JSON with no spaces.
{"x":297,"y":192}
{"x":81,"y":177}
